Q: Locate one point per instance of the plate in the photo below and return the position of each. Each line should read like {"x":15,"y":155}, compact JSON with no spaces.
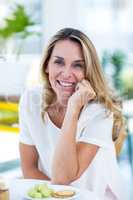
{"x":55,"y":188}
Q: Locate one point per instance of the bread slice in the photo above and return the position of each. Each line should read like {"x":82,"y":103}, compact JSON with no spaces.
{"x":63,"y":194}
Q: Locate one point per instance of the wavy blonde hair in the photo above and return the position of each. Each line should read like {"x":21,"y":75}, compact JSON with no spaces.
{"x":93,"y":73}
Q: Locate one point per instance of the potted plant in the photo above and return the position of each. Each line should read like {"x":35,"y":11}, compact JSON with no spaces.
{"x":17,"y":25}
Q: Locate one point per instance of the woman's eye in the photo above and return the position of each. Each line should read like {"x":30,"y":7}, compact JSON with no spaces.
{"x":59,"y":62}
{"x":78,"y":65}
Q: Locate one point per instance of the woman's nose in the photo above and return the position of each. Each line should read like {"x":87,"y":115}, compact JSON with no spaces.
{"x":67,"y":72}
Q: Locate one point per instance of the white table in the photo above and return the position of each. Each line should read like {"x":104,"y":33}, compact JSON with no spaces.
{"x":18,"y":187}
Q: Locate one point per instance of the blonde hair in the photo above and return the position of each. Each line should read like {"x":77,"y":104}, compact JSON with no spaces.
{"x":93,"y":73}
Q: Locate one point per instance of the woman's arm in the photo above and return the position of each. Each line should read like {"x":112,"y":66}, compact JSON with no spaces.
{"x":29,"y":162}
{"x":71,"y":158}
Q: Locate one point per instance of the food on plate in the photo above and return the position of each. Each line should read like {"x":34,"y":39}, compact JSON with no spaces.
{"x":63,"y":194}
{"x":40,"y":191}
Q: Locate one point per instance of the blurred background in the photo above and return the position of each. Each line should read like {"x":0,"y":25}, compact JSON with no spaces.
{"x":25,"y":28}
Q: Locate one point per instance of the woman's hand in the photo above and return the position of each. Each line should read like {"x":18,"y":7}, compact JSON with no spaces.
{"x":82,"y":95}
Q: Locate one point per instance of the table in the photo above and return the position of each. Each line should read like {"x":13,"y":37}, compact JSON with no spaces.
{"x":17,"y":188}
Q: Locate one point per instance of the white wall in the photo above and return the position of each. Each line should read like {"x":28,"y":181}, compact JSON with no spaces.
{"x":58,"y":14}
{"x":14,"y":73}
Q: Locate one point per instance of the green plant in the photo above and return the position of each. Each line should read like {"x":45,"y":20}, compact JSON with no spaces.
{"x":17,"y":24}
{"x":117,"y":59}
{"x":105,"y":59}
{"x":127,"y":83}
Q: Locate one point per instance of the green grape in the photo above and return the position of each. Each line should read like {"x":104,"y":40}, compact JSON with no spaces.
{"x":31,"y":193}
{"x":42,"y":187}
{"x":40,"y":191}
{"x":38,"y":195}
{"x":46,"y":193}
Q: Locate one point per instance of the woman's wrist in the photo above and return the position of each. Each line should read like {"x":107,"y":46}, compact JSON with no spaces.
{"x":73,"y":110}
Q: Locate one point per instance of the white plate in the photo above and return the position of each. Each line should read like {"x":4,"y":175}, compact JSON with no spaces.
{"x":56,"y":188}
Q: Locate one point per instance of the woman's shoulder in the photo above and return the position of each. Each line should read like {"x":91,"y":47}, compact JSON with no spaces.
{"x":31,"y":96}
{"x":35,"y":90}
{"x":95,"y":109}
{"x":32,"y":92}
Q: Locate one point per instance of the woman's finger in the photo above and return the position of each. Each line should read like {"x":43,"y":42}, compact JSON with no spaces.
{"x":79,"y":84}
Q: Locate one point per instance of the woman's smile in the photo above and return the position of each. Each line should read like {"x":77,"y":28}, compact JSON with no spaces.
{"x":66,"y":85}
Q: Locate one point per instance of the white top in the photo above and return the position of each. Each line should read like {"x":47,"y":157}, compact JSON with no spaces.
{"x":93,"y":127}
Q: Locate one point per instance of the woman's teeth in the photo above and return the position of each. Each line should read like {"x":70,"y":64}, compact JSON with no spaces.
{"x":66,"y":84}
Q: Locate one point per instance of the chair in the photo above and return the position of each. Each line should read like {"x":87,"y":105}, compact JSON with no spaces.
{"x":8,"y":116}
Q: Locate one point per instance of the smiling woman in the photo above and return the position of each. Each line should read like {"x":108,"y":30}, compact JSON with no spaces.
{"x":66,"y":125}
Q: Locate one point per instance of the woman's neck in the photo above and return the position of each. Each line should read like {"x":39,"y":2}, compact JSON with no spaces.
{"x":56,"y":113}
{"x":58,"y":108}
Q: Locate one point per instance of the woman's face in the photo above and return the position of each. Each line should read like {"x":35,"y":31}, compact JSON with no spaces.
{"x":65,"y":69}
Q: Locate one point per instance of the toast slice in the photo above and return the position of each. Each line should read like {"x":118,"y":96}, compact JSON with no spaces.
{"x":63,"y":194}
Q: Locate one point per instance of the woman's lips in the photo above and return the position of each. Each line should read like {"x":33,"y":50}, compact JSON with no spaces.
{"x":66,"y":83}
{"x":67,"y":86}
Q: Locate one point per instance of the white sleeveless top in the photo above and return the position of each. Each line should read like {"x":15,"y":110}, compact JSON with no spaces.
{"x":103,"y":174}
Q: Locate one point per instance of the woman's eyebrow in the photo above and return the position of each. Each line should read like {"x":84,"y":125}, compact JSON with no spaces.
{"x":79,"y":60}
{"x":59,"y":57}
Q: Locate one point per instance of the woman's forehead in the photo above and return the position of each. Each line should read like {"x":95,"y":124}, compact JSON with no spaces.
{"x":67,"y":48}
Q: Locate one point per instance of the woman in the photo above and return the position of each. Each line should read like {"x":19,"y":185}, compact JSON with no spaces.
{"x":66,"y":126}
